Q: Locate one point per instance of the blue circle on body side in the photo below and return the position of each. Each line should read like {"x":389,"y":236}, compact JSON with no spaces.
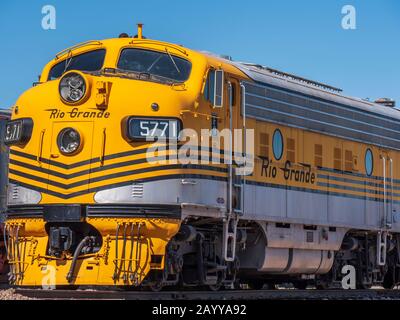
{"x":369,"y":162}
{"x":277,"y":144}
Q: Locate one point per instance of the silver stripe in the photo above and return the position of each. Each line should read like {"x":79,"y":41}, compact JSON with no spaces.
{"x":307,"y":118}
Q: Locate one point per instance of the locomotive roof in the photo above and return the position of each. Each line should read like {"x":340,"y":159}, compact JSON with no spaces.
{"x":265,"y":75}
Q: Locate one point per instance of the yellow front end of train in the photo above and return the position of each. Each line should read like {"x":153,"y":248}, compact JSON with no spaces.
{"x":125,"y":258}
{"x":71,"y":142}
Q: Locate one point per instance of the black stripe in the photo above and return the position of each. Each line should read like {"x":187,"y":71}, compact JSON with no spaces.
{"x":25,"y":211}
{"x":48,"y":171}
{"x":98,"y":210}
{"x":364,"y":183}
{"x":107,"y":157}
{"x":349,"y":188}
{"x":354,"y":174}
{"x":80,"y":163}
{"x":115,"y":175}
{"x":92,"y":170}
{"x":134,"y":210}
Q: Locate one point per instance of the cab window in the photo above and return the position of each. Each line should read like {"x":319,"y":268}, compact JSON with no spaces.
{"x":88,"y":61}
{"x":162,"y":66}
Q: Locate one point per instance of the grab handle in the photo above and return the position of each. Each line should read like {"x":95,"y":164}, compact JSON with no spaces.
{"x":40,"y":149}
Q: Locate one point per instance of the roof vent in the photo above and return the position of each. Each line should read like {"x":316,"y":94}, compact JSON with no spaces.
{"x":386,"y":102}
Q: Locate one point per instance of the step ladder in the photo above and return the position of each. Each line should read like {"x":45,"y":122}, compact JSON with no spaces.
{"x":381,"y":247}
{"x":236,"y":210}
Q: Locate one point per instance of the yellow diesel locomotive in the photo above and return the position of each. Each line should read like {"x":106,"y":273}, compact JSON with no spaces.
{"x":98,"y":192}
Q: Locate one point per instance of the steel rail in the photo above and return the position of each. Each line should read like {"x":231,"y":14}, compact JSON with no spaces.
{"x":309,"y":294}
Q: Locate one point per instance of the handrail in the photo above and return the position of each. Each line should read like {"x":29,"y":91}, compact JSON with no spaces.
{"x":230,"y":164}
{"x":40,"y":149}
{"x":384,"y":191}
{"x":244,"y":142}
{"x":160,"y":43}
{"x":389,"y":224}
{"x":103,"y":146}
{"x":79,"y":45}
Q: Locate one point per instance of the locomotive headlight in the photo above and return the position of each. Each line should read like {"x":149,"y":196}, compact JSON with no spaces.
{"x":73,"y":87}
{"x":69,"y":141}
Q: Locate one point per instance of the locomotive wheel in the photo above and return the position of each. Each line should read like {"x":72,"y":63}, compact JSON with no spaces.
{"x":157,"y":287}
{"x":215,"y":287}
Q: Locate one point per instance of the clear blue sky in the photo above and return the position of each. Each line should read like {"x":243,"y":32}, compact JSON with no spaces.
{"x":301,"y":37}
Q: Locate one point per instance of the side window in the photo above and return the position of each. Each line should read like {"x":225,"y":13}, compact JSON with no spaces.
{"x":219,"y":89}
{"x":214,"y":88}
{"x":209,"y":87}
{"x":233,"y":94}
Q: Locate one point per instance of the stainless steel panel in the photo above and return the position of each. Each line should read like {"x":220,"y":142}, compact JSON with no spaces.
{"x":21,"y":195}
{"x":291,"y":206}
{"x":173,"y":191}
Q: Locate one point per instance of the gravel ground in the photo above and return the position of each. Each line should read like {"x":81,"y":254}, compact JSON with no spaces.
{"x":10,"y":294}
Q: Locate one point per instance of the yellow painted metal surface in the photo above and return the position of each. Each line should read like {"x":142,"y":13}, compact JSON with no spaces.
{"x":124,"y":259}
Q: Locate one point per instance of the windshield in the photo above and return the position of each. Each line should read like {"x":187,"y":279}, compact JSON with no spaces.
{"x":89,"y":61}
{"x":155,"y":63}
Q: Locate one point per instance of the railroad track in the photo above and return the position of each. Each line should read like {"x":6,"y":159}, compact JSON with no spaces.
{"x":228,"y":295}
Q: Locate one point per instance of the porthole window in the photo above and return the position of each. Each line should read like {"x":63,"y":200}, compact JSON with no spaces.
{"x":277,"y":144}
{"x":369,"y":162}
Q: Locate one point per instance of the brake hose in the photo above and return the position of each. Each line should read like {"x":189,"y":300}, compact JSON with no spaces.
{"x":78,"y":250}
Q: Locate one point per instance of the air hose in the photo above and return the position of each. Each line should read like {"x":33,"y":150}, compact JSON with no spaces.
{"x":85,"y":241}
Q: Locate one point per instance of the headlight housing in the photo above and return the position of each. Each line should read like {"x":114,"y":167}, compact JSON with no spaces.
{"x":69,"y":141}
{"x":73,"y":87}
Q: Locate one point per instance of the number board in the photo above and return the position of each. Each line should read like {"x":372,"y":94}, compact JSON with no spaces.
{"x":13,"y":132}
{"x":151,"y":129}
